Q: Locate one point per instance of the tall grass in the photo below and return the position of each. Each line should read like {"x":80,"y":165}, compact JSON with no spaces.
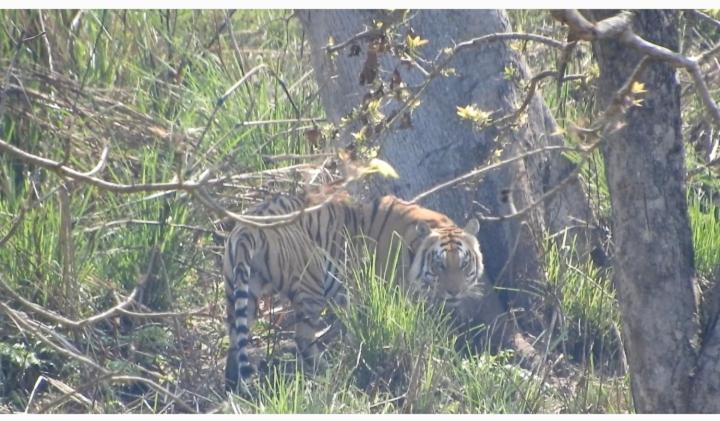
{"x":705,"y":223}
{"x":396,"y":354}
{"x":144,"y":84}
{"x":583,"y":305}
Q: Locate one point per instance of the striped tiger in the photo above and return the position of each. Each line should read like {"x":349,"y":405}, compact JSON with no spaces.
{"x":301,"y":261}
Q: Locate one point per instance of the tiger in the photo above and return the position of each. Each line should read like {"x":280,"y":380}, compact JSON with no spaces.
{"x":301,"y":262}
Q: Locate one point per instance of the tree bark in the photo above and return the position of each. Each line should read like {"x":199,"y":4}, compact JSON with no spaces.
{"x":654,"y":269}
{"x":439,"y":146}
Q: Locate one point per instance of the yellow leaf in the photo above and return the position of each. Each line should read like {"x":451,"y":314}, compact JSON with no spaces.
{"x":448,"y":72}
{"x":464,"y":112}
{"x":638,"y":88}
{"x":415,"y":42}
{"x":473,"y":113}
{"x":516,"y":45}
{"x":383,"y":168}
{"x":361,"y":135}
{"x":380,"y":167}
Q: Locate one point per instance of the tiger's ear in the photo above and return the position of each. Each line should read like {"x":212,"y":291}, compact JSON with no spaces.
{"x":422,"y":229}
{"x":472,"y":227}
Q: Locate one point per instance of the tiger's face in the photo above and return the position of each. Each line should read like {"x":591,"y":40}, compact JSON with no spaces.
{"x":448,"y":264}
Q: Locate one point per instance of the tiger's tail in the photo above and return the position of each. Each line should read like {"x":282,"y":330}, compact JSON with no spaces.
{"x":240,"y":308}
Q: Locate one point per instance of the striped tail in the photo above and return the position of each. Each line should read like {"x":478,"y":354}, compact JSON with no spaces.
{"x":240,"y":309}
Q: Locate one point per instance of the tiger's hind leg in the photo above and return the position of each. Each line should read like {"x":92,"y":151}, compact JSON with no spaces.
{"x":308,"y":323}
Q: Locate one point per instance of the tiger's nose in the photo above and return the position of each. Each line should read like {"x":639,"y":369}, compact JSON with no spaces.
{"x":452,"y":299}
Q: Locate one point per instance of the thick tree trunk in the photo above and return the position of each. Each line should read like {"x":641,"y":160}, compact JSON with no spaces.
{"x":439,"y":146}
{"x":654,"y":273}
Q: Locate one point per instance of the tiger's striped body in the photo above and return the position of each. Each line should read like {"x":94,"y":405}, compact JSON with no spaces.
{"x":302,"y":262}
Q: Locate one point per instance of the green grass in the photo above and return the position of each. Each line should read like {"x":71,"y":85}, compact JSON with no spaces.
{"x":582,"y":302}
{"x":145,"y":84}
{"x":705,"y":222}
{"x":396,"y":355}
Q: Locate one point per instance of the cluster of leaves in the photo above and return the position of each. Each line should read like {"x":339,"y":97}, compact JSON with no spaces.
{"x":388,"y":103}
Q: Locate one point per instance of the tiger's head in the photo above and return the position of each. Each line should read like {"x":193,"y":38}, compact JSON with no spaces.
{"x":448,"y":263}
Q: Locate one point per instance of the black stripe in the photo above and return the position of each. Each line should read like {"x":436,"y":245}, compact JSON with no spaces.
{"x":317,"y":231}
{"x":241,"y":293}
{"x":330,"y":218}
{"x":351,"y":220}
{"x":241,"y":312}
{"x":246,"y":252}
{"x":423,"y":262}
{"x":246,"y":371}
{"x":266,"y":257}
{"x":242,"y":343}
{"x":329,"y":288}
{"x":243,"y":358}
{"x":388,"y":212}
{"x":373,"y":214}
{"x":242,"y":329}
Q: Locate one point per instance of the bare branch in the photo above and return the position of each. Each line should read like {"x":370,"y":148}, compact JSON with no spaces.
{"x":66,"y":171}
{"x":221,"y":100}
{"x":583,"y":29}
{"x":290,"y":156}
{"x":545,"y":196}
{"x":203,"y":311}
{"x":704,"y":17}
{"x":192,"y":187}
{"x":490,"y":167}
{"x":534,"y":82}
{"x":282,"y":121}
{"x":101,"y":163}
{"x":17,"y":220}
{"x":35,"y":329}
{"x":618,"y":27}
{"x":368,"y":33}
{"x":156,"y":387}
{"x":59,"y":319}
{"x":508,"y":36}
{"x":469,"y":44}
{"x":70,"y":286}
{"x":707,"y":55}
{"x":129,"y":221}
{"x":604,"y":124}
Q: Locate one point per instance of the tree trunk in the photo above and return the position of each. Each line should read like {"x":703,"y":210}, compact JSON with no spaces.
{"x":654,"y":273}
{"x":439,"y":146}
